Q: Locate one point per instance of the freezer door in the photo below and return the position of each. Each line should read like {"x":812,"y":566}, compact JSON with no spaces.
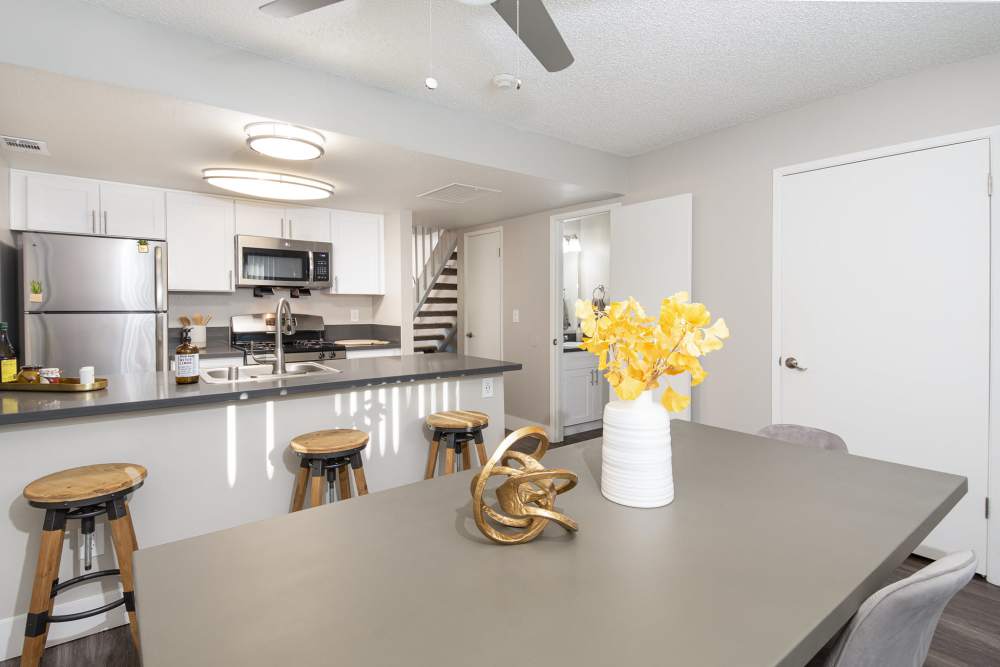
{"x":60,"y":272}
{"x":113,"y":343}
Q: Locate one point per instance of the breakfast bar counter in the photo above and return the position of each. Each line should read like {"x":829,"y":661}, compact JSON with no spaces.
{"x":217,"y":454}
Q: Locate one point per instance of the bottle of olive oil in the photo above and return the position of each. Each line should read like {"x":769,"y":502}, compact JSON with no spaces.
{"x":186,"y":360}
{"x":8,"y":356}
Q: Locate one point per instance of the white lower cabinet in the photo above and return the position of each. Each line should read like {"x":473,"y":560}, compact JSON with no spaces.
{"x":582,"y":391}
{"x":200,"y":242}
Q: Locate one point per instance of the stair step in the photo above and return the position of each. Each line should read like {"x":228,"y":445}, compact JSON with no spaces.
{"x":425,"y":350}
{"x":438,"y":337}
{"x":454,"y":255}
{"x":433,"y":325}
{"x":441,"y":299}
{"x":449,"y":272}
{"x":445,"y":286}
{"x":438,"y":313}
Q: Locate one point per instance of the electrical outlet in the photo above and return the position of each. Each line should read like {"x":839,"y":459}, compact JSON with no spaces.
{"x":487,"y":387}
{"x":355,"y":314}
{"x":517,"y":316}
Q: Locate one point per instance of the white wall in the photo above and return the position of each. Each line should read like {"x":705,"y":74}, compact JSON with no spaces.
{"x":396,"y":306}
{"x":730,"y":172}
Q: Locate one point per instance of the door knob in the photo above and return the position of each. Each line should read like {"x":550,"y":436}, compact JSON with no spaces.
{"x":468,"y":335}
{"x":793,"y":363}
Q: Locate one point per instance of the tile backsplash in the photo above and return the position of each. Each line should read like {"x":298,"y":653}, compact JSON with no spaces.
{"x":334,"y":308}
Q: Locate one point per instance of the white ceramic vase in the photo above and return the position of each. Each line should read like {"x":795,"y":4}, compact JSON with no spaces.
{"x":636,"y":465}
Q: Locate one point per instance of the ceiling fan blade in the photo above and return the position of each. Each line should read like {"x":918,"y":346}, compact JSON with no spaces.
{"x":287,"y":8}
{"x":538,"y":32}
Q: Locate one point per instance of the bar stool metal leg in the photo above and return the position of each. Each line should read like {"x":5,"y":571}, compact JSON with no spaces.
{"x":46,"y":574}
{"x":121,"y":535}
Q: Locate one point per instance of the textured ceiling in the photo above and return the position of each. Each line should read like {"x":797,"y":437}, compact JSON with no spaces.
{"x":647,"y":72}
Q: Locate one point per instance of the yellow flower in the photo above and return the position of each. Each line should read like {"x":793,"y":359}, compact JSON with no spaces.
{"x":635,"y":350}
{"x":673,"y":401}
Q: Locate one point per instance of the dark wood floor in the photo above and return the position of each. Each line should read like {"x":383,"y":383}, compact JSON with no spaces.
{"x":968,"y":634}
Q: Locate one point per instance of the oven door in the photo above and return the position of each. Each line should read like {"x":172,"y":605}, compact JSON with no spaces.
{"x":269,"y":262}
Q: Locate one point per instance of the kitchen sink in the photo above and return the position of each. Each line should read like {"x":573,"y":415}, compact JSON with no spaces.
{"x":265,"y":372}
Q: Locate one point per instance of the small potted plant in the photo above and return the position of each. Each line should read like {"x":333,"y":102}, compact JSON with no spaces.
{"x":634,"y":352}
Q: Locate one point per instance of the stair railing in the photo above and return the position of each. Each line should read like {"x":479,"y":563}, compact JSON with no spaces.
{"x":432,"y":248}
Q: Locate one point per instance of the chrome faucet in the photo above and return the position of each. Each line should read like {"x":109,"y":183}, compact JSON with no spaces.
{"x":280,"y":323}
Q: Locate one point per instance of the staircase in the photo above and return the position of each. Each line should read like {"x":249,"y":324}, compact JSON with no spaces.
{"x":435,"y":317}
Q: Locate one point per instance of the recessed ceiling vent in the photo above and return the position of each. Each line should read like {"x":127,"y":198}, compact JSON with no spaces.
{"x":21,"y":145}
{"x":457,"y":193}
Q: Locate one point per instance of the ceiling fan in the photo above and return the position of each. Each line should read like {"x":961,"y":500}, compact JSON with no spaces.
{"x":537,"y":29}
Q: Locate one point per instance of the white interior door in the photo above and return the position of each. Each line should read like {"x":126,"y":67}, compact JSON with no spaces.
{"x":884,"y":303}
{"x":651,"y":259}
{"x":483,"y":295}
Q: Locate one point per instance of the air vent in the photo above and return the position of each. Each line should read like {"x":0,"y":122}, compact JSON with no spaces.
{"x":457,"y":193}
{"x":20,"y":145}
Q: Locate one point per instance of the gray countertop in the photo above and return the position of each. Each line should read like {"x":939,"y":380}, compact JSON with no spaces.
{"x":149,"y":391}
{"x":767,"y":550}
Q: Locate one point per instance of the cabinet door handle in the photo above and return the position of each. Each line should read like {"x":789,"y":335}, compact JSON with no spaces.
{"x":290,"y":232}
{"x":283,"y":228}
{"x":93,"y":221}
{"x":231,"y":280}
{"x":105,"y":223}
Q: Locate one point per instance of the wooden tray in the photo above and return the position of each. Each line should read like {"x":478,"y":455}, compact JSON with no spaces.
{"x":64,"y":385}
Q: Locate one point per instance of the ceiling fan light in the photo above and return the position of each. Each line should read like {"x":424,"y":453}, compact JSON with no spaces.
{"x":267,"y":184}
{"x":284,"y":141}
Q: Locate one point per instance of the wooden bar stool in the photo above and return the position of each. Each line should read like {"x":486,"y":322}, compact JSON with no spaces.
{"x":458,"y":429}
{"x":326,"y":456}
{"x":83,"y":494}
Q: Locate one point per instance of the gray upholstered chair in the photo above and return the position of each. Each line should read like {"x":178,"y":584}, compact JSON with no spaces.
{"x":805,"y":435}
{"x":895,"y":625}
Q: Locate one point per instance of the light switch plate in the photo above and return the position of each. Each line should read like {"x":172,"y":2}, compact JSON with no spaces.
{"x":355,"y":314}
{"x":517,"y":316}
{"x":487,"y":387}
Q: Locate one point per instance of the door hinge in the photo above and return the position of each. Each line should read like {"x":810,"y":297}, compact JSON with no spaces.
{"x":987,"y":507}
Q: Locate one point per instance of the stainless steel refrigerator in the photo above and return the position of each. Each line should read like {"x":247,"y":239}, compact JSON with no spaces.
{"x":93,"y":301}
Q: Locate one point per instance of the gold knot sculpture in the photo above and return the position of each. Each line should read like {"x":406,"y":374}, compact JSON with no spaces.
{"x":526,"y":499}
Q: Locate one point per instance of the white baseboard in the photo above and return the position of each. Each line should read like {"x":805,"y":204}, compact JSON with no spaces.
{"x":580,"y":428}
{"x":12,"y":628}
{"x":513,"y":423}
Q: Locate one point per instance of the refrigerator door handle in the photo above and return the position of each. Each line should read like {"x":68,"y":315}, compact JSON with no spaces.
{"x":159,"y":278}
{"x":161,"y":342}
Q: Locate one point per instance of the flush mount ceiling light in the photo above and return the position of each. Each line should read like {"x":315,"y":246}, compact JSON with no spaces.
{"x":284,"y":141}
{"x":267,"y":184}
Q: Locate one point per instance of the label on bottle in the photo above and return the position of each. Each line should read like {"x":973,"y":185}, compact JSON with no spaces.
{"x":8,"y":370}
{"x":186,"y":365}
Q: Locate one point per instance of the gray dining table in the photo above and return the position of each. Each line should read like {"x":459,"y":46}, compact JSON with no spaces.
{"x":767,"y":549}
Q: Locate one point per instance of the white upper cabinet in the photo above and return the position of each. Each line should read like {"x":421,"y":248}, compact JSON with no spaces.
{"x":260,"y":219}
{"x":308,"y":223}
{"x":132,"y":211}
{"x":53,"y":203}
{"x":56,"y":203}
{"x":201,"y":249}
{"x":358,"y":266}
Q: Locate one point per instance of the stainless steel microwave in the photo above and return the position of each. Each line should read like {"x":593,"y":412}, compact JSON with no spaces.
{"x":262,"y":261}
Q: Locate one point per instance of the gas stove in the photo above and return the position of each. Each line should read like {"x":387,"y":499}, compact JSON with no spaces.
{"x":254,"y":335}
